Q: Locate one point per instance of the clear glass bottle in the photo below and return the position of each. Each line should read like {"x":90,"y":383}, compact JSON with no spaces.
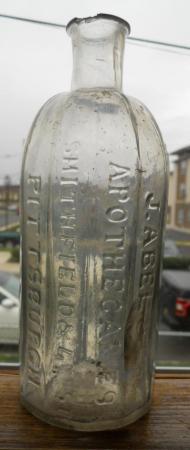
{"x":94,"y":189}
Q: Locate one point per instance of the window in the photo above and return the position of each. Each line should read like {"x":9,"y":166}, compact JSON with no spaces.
{"x":180,"y":216}
{"x":169,"y":214}
{"x":182,"y":191}
{"x":188,"y":215}
{"x":183,"y":167}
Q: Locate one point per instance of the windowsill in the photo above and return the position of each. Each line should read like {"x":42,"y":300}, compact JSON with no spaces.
{"x":165,"y":427}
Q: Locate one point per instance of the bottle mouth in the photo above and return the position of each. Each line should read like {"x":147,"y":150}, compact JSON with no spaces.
{"x":86,"y":20}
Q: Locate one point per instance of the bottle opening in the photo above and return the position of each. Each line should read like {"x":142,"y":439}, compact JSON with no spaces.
{"x":99,"y":17}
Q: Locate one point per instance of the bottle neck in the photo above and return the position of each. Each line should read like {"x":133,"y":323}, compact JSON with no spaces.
{"x":97,"y":55}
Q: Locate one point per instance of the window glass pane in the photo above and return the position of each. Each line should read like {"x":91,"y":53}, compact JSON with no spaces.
{"x":182,"y":167}
{"x":36,"y":64}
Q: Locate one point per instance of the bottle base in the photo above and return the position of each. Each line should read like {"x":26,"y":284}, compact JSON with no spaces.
{"x":89,"y":426}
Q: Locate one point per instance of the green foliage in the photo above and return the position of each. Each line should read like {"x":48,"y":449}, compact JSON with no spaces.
{"x":15,"y":254}
{"x":176,"y":263}
{"x":9,"y":356}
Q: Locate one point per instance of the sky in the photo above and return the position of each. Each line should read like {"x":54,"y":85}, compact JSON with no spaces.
{"x":36,"y":63}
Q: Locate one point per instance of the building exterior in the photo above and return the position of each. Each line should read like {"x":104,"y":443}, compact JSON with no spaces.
{"x":9,"y":196}
{"x":179,"y":192}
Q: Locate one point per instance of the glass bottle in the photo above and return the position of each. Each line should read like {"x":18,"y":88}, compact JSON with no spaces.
{"x":94,"y":189}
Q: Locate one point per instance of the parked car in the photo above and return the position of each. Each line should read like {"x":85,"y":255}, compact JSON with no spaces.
{"x":10,"y":282}
{"x":175,"y":298}
{"x":175,"y":288}
{"x":9,"y":308}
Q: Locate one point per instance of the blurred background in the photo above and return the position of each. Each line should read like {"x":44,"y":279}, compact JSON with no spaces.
{"x":35,"y":64}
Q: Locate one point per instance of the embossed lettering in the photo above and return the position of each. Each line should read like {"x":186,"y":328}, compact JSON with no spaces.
{"x":118,"y":240}
{"x":151,"y":203}
{"x":122,"y":193}
{"x":149,"y":257}
{"x":66,"y":272}
{"x":118,"y":172}
{"x":116,"y":215}
{"x":107,"y":397}
{"x":34,"y":280}
{"x":114,"y":264}
{"x":150,"y":235}
{"x":35,"y":181}
{"x":113,"y":261}
{"x":148,"y":260}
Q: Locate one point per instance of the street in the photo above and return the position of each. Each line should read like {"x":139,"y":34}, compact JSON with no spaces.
{"x":173,"y":347}
{"x":179,"y":237}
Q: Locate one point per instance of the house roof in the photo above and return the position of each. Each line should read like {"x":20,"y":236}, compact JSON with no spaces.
{"x":185,"y":151}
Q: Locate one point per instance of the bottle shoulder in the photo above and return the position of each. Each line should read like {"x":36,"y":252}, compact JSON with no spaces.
{"x":50,"y":107}
{"x":148,"y":132}
{"x":86,"y":108}
{"x":144,"y":117}
{"x":112,"y":97}
{"x":114,"y":100}
{"x":47,"y":114}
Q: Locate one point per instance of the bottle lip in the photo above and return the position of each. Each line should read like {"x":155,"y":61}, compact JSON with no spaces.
{"x":78,"y":20}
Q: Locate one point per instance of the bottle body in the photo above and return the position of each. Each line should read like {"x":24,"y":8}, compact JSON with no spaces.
{"x":94,"y":185}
